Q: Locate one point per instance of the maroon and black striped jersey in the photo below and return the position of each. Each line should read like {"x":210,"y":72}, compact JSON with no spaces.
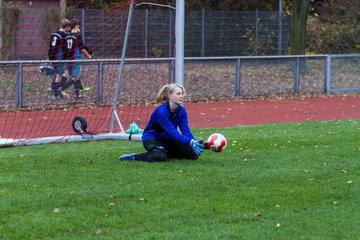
{"x":57,"y":41}
{"x":73,"y":46}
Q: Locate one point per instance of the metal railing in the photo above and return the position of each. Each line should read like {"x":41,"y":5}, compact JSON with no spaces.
{"x":210,"y":76}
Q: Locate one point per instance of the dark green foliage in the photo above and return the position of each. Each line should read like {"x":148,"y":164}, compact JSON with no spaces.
{"x":334,"y":27}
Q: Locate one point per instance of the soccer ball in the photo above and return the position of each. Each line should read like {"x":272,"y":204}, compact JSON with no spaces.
{"x":217,"y":142}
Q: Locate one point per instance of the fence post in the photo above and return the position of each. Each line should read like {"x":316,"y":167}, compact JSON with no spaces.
{"x":19,"y":86}
{"x":171,"y":71}
{"x":280,"y":28}
{"x":83,"y":24}
{"x":256,"y":31}
{"x":99,"y":83}
{"x":146,"y":32}
{"x":203,"y":32}
{"x":297,"y":75}
{"x":15,"y":42}
{"x":170,"y":32}
{"x":327,"y":81}
{"x":237,"y":77}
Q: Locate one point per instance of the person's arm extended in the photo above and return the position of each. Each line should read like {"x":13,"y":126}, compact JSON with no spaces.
{"x":84,"y":51}
{"x":184,"y":124}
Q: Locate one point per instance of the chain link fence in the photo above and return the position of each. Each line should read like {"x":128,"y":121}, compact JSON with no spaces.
{"x":207,"y":33}
{"x":26,"y":30}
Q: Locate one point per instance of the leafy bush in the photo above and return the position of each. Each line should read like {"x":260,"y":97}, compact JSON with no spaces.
{"x":333,"y":38}
{"x":334,"y":27}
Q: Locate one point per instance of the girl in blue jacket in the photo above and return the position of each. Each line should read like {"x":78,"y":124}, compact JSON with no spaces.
{"x":167,"y":134}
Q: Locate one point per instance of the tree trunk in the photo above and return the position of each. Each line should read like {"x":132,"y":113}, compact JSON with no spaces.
{"x":62,"y":6}
{"x":1,"y":27}
{"x":298,"y":38}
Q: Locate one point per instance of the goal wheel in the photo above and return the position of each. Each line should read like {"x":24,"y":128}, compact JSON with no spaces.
{"x":79,"y":125}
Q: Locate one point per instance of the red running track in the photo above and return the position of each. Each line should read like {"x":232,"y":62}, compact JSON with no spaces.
{"x":33,"y":124}
{"x":227,"y":114}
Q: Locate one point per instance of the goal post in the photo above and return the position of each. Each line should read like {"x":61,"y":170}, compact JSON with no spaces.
{"x":180,"y":29}
{"x":114,"y":116}
{"x":122,"y":90}
{"x":179,"y":69}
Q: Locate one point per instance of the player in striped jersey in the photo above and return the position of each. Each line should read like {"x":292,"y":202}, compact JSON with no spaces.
{"x":57,"y":41}
{"x":73,"y":48}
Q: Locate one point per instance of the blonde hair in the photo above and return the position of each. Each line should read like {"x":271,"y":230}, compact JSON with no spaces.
{"x":165,"y":91}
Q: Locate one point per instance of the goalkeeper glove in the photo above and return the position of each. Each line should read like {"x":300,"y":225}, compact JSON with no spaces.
{"x":196,"y":146}
{"x":204,"y":144}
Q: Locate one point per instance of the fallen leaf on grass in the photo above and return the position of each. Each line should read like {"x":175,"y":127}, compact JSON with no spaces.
{"x":101,"y":232}
{"x":143,"y":199}
{"x":56,"y":210}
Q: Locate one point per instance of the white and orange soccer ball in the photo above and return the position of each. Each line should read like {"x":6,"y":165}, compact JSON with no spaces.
{"x":217,"y":142}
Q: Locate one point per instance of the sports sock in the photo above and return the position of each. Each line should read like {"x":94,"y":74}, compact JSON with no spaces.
{"x":63,"y":80}
{"x":78,"y":85}
{"x":67,"y":84}
{"x":53,"y":83}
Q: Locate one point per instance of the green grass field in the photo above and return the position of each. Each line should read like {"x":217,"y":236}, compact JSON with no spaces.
{"x":278,"y":181}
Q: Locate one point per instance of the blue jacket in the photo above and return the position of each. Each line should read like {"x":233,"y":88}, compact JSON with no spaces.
{"x":163,"y":125}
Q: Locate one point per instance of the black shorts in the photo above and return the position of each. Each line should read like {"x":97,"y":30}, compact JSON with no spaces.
{"x":158,"y":150}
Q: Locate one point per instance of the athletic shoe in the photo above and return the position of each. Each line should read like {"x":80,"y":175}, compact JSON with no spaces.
{"x":64,"y":94}
{"x":58,"y":94}
{"x":77,"y":94}
{"x":125,"y":156}
{"x":56,"y":97}
{"x":85,"y":89}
